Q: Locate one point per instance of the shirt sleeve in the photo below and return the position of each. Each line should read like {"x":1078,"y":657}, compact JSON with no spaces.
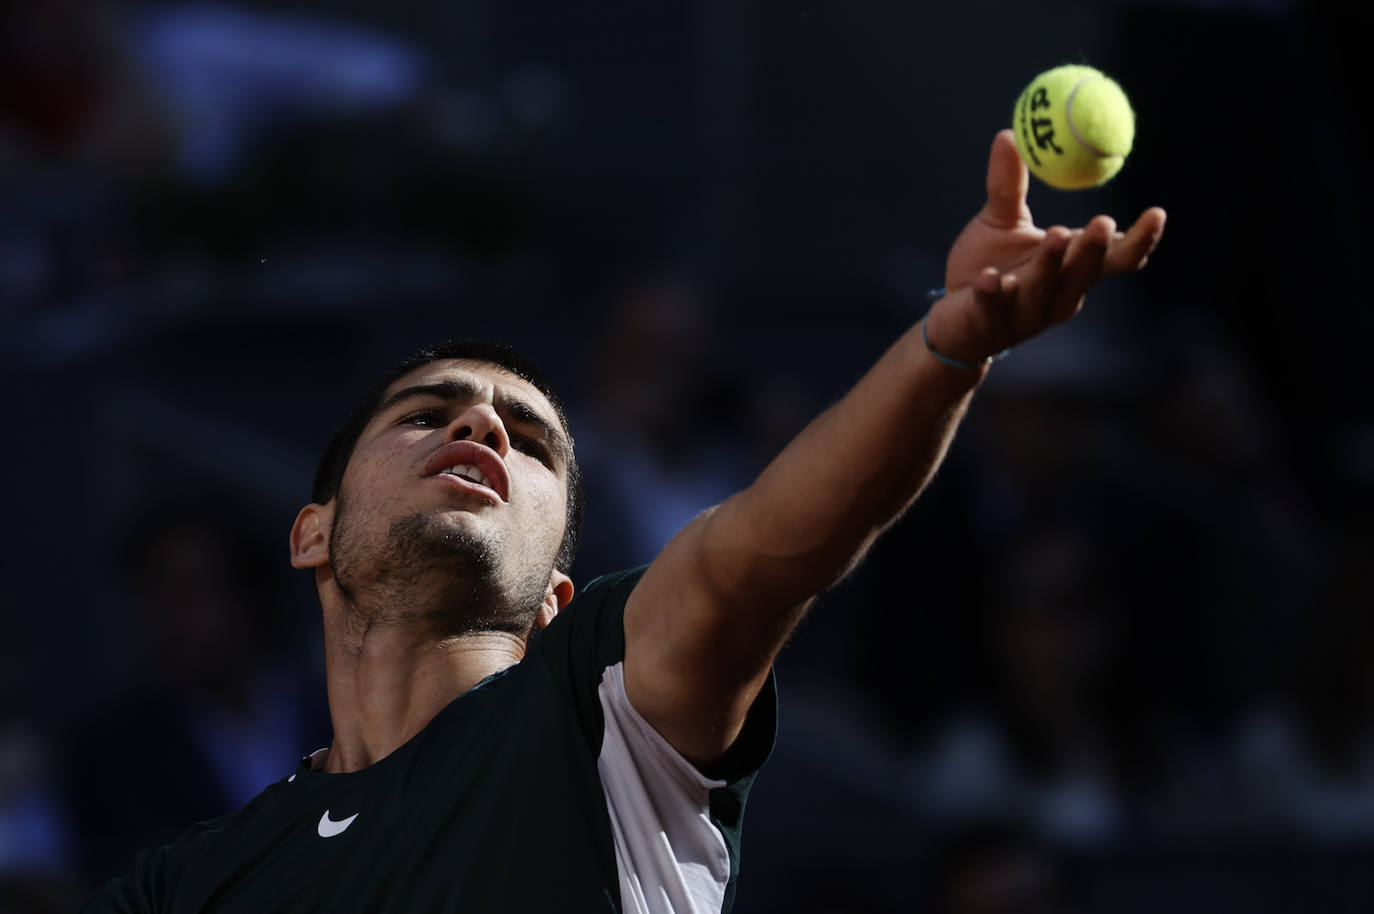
{"x":583,"y":640}
{"x":588,"y":638}
{"x":676,"y":828}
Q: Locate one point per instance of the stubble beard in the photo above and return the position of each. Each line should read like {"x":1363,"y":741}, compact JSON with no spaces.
{"x":433,"y":573}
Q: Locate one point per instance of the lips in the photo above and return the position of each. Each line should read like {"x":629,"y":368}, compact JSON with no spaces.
{"x":472,"y":463}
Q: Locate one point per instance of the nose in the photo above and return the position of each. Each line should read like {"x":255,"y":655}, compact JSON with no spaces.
{"x":479,"y":422}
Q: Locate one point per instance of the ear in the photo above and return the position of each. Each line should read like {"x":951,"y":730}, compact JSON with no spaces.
{"x":559,"y":595}
{"x":310,"y":536}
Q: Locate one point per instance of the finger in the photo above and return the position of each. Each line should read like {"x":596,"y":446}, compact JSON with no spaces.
{"x":1130,"y":251}
{"x":991,"y":297}
{"x":1042,"y":276}
{"x":1083,"y":263}
{"x":1008,"y":183}
{"x":988,"y":282}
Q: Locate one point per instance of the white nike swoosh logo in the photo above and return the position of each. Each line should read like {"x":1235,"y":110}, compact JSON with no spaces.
{"x":329,"y":828}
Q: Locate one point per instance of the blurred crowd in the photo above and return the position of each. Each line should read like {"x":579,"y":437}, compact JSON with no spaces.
{"x":1119,"y":657}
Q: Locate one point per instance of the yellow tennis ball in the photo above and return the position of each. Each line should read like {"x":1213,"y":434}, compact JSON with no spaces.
{"x":1074,"y":127}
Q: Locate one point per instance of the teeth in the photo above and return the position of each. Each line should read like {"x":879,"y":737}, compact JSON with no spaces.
{"x":467,"y":471}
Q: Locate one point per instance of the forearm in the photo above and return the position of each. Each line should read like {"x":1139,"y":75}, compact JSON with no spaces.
{"x":816,"y":508}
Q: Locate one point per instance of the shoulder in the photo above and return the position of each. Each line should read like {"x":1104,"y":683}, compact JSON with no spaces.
{"x":148,"y":887}
{"x":589,"y":634}
{"x":605,"y":594}
{"x":158,"y":873}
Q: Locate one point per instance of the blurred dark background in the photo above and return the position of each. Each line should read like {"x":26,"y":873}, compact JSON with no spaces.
{"x":1120,"y":658}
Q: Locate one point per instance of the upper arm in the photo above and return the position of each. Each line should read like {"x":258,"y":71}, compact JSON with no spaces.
{"x":702,"y":627}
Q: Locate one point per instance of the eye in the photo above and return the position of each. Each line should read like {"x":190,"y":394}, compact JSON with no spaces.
{"x":425,"y":418}
{"x":532,"y":446}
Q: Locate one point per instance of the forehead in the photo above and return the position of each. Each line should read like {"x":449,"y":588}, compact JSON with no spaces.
{"x":493,"y":382}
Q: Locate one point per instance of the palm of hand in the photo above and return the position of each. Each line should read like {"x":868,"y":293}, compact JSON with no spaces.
{"x":991,"y":242}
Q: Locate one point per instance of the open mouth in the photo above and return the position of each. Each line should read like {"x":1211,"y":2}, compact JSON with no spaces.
{"x":471,"y":466}
{"x":469,"y":473}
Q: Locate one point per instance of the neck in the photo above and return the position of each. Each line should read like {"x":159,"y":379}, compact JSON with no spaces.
{"x":387,"y":682}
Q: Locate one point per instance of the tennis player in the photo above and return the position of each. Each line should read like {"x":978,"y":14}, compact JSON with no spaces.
{"x":500,"y":745}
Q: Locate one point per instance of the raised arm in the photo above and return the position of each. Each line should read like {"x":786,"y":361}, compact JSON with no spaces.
{"x":705,"y":622}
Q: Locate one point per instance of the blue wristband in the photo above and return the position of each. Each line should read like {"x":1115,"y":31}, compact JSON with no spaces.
{"x":932,"y":295}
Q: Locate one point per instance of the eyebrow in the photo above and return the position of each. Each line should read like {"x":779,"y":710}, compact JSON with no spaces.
{"x":506,"y":406}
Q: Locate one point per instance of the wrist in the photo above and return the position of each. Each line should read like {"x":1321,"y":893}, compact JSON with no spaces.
{"x":940,"y":336}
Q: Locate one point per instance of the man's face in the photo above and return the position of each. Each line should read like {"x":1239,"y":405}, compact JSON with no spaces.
{"x":454,"y":500}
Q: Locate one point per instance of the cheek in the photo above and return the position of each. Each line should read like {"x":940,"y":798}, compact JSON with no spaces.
{"x":377,"y":469}
{"x":548,"y":503}
{"x":384,"y":462}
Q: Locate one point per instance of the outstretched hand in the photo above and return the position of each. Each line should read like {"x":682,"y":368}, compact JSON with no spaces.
{"x":1025,"y":279}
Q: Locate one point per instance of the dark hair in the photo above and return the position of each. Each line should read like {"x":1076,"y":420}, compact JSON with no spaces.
{"x":330,"y":472}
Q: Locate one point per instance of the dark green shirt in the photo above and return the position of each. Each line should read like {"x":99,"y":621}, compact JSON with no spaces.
{"x":540,"y":789}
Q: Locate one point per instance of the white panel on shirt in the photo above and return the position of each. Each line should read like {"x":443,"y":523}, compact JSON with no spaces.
{"x":671,"y":858}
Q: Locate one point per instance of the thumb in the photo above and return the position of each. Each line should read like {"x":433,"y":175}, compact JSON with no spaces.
{"x":1008,"y":183}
